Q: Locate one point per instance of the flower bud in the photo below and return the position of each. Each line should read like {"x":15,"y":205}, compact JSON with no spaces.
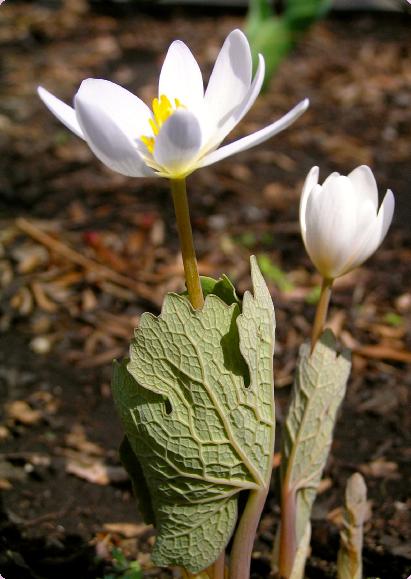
{"x":340,"y":221}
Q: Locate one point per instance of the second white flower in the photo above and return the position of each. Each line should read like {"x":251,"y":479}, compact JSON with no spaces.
{"x":341,"y":223}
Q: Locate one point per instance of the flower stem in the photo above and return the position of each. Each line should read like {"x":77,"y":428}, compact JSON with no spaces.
{"x":240,"y":559}
{"x":288,"y":540}
{"x":214,"y":571}
{"x":288,"y":529}
{"x":217,"y":570}
{"x":321,"y":313}
{"x":195,"y":293}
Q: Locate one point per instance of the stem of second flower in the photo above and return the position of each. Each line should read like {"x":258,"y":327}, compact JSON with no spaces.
{"x":322,"y":309}
{"x":195,"y":292}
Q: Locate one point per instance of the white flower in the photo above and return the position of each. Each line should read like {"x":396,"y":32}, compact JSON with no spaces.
{"x":340,"y":221}
{"x":186,"y":126}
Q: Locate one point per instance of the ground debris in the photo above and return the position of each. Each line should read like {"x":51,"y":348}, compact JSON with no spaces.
{"x":94,"y":470}
{"x":21,"y":411}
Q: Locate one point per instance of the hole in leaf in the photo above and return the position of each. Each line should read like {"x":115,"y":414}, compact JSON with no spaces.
{"x":169,"y":408}
{"x":246,"y":376}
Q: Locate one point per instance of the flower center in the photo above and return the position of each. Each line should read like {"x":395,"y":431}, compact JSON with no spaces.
{"x":162,"y":110}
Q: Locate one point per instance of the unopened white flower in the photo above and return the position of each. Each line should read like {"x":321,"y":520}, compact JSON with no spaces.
{"x":187,"y":124}
{"x":340,"y":221}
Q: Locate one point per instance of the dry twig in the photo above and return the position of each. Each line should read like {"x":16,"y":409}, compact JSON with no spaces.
{"x":101,"y":271}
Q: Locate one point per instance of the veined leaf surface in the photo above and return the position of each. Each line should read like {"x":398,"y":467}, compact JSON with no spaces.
{"x":197,"y":405}
{"x":319,"y":389}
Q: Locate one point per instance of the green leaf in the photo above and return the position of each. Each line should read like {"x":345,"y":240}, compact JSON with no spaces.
{"x":123,"y":568}
{"x":136,"y":474}
{"x":301,"y":14}
{"x":196,"y":402}
{"x":319,"y":389}
{"x":222,"y":288}
{"x":259,"y":10}
{"x":273,"y":38}
{"x":349,"y":565}
{"x":119,"y":559}
{"x":133,"y":572}
{"x":302,"y":554}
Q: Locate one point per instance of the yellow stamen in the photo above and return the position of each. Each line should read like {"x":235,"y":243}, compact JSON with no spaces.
{"x":162,"y":110}
{"x":149,"y":143}
{"x":153,"y":126}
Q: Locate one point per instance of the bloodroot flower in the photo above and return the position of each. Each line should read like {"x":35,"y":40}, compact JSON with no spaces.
{"x":186,"y":125}
{"x":341,"y":223}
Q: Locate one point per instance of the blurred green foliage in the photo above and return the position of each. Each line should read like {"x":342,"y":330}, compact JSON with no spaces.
{"x":273,"y":35}
{"x":123,"y":568}
{"x":273,"y":273}
{"x":393,"y":319}
{"x":313,"y":296}
{"x":248,"y":239}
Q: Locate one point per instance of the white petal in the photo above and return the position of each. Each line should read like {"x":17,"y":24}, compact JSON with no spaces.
{"x":218,"y":134}
{"x":113,"y":120}
{"x":331,"y":232}
{"x":123,"y":107}
{"x":253,"y":91}
{"x":330,"y":177}
{"x":255,"y":138}
{"x":377,"y":232}
{"x":310,"y":182}
{"x":385,"y":214}
{"x":180,"y":77}
{"x":363,"y":181}
{"x":178,"y":143}
{"x":63,"y":112}
{"x":229,"y":82}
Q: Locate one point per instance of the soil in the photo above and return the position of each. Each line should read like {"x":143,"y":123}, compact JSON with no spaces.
{"x":66,"y":501}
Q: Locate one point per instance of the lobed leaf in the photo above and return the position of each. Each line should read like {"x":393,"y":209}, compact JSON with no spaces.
{"x":302,"y":554}
{"x":222,"y":288}
{"x":318,"y":392}
{"x":196,"y":402}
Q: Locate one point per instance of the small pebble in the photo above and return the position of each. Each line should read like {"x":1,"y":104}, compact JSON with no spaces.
{"x":4,"y":432}
{"x":40,"y":345}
